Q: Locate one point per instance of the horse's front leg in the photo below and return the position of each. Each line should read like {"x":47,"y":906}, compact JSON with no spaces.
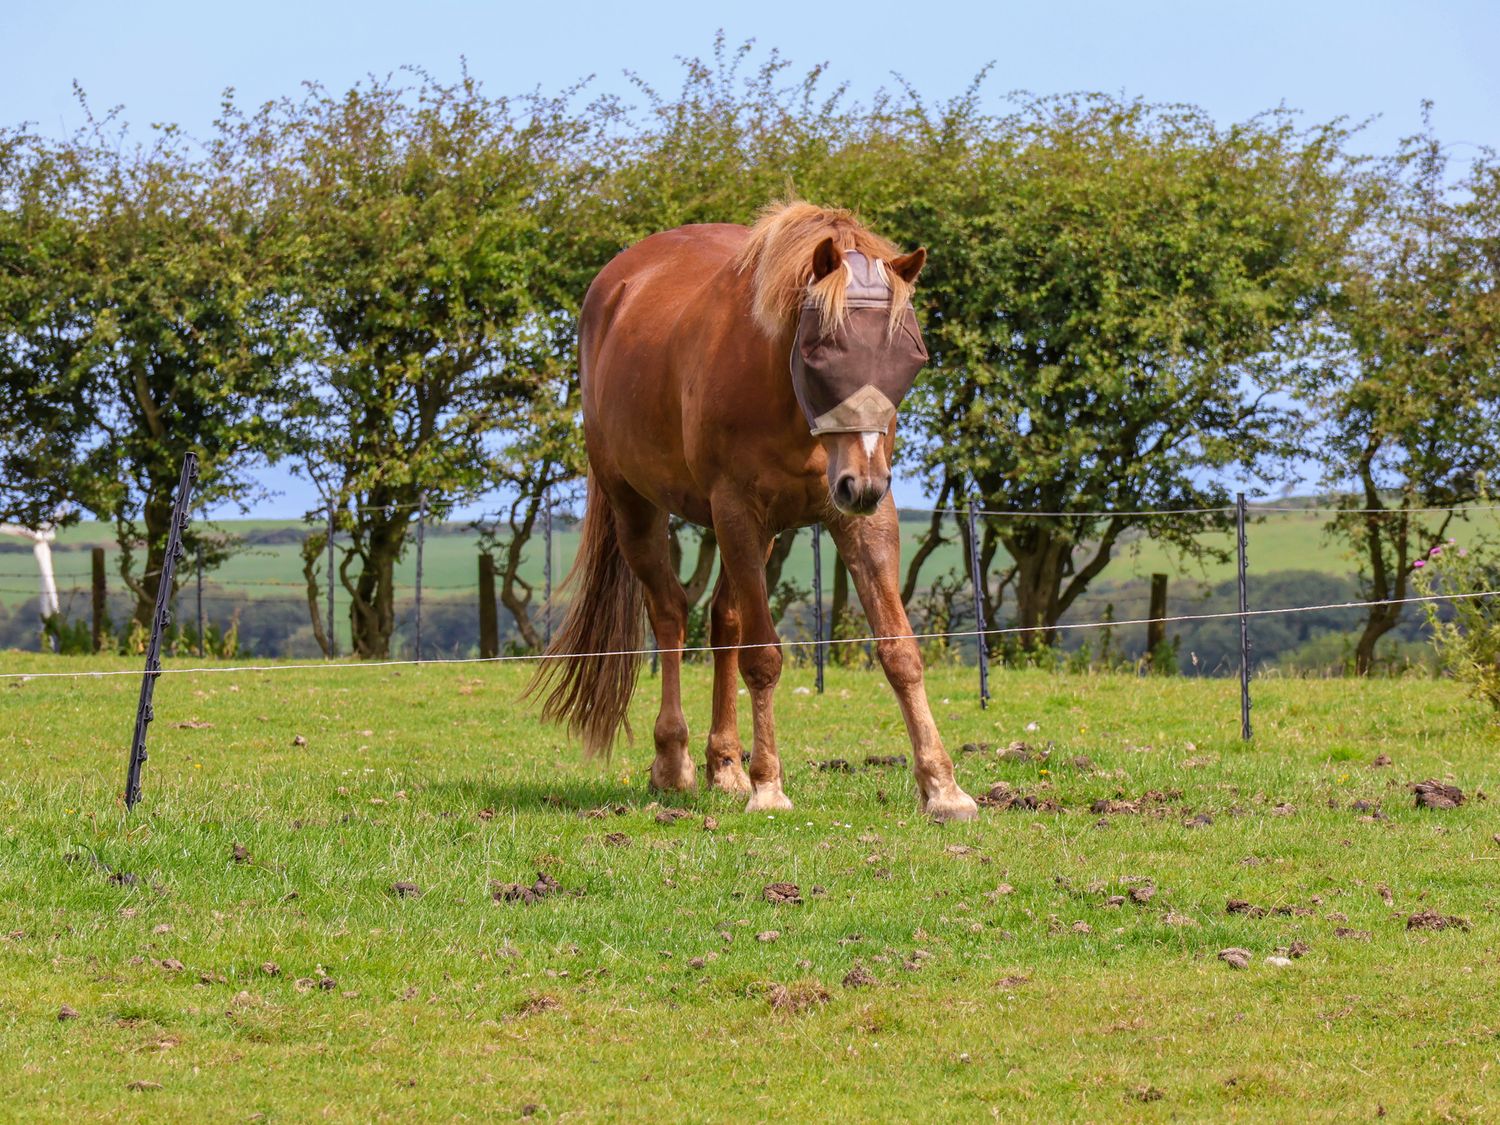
{"x":725,"y":771}
{"x":743,"y":542}
{"x":871,"y":548}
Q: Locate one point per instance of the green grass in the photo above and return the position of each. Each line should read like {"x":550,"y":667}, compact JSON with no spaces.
{"x":448,"y":1005}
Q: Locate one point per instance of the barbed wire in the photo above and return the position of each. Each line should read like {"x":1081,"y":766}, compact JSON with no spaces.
{"x":799,"y":643}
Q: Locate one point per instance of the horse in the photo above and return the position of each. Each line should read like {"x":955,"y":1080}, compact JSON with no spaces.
{"x":744,"y":379}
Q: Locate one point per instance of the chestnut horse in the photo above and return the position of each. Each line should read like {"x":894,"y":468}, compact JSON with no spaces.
{"x":692,"y":408}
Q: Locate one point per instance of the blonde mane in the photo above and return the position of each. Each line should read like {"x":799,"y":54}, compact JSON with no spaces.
{"x":779,"y":255}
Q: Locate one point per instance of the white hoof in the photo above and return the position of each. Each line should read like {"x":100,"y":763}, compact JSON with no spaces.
{"x":955,"y":805}
{"x":768,"y":798}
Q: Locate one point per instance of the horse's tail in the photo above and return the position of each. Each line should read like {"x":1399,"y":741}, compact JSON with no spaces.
{"x":590,"y":667}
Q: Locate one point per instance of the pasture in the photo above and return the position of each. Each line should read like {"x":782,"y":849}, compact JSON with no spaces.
{"x":238,"y":949}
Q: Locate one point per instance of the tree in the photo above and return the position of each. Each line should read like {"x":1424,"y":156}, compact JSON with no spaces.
{"x":44,"y":331}
{"x":1410,"y":403}
{"x":1116,"y":294}
{"x":435,"y":259}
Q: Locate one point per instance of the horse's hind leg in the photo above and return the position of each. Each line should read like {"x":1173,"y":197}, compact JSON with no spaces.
{"x":643,"y":541}
{"x":870,"y":547}
{"x":724,"y":751}
{"x":742,"y":553}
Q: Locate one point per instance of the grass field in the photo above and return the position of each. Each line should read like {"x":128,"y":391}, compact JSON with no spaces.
{"x":1005,"y":981}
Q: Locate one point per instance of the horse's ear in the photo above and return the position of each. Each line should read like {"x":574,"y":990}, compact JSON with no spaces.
{"x":908,"y":266}
{"x":826,"y":259}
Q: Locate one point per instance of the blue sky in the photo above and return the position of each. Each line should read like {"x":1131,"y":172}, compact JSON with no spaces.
{"x":1329,"y":58}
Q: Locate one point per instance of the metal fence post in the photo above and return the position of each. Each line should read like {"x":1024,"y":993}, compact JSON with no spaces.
{"x":333,"y":644}
{"x":421,"y":542}
{"x":547,"y":568}
{"x":976,"y":580}
{"x":144,"y":712}
{"x":1241,"y":543}
{"x":820,"y":653}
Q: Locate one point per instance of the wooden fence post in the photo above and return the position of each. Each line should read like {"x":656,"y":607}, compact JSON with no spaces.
{"x":1156,"y":630}
{"x":489,"y":621}
{"x":101,"y":604}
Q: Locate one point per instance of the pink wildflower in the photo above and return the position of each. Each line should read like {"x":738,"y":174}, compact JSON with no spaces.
{"x":1419,"y":564}
{"x":1435,"y":552}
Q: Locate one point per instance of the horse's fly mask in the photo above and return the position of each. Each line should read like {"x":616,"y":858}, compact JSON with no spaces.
{"x":852,"y":379}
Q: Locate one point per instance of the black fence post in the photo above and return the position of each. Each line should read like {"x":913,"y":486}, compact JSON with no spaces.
{"x":1241,"y":543}
{"x":976,"y":580}
{"x":820,"y":651}
{"x":421,"y":543}
{"x":144,"y":712}
{"x":333,"y":643}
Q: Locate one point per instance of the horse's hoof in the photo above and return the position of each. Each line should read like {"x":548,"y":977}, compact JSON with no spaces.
{"x":956,"y":805}
{"x":731,"y":778}
{"x":674,"y":777}
{"x":769,"y":798}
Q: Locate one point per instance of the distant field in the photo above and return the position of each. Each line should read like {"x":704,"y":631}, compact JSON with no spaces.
{"x":1032,"y":966}
{"x":1279,"y":541}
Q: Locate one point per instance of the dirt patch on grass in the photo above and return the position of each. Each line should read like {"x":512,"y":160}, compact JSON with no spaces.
{"x":537,"y":1003}
{"x":1432,"y":920}
{"x":782,"y":894}
{"x":526,"y":894}
{"x":795,"y":998}
{"x":1433,"y":794}
{"x":859,"y":977}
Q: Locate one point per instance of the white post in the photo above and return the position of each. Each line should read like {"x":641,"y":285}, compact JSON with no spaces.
{"x":41,"y":546}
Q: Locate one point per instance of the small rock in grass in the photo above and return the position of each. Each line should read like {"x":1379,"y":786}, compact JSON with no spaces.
{"x":1278,"y":962}
{"x":710,"y":824}
{"x":299,"y":741}
{"x":1235,"y":957}
{"x":768,"y":936}
{"x":66,"y":1012}
{"x":1380,"y":761}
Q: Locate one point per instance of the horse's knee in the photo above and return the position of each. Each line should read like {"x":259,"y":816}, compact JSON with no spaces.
{"x":761,"y":666}
{"x":902,"y":661}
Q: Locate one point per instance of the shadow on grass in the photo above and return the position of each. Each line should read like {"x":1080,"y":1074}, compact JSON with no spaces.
{"x":562,"y":794}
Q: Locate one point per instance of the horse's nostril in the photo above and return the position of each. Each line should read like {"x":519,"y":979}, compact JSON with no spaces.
{"x":843,"y":491}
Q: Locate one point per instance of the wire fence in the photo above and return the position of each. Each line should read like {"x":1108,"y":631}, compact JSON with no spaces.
{"x":435,"y":614}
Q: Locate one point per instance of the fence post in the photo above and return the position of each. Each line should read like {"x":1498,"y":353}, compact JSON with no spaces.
{"x":1241,"y":543}
{"x":976,"y":581}
{"x":333,"y":643}
{"x":1156,"y":631}
{"x":421,"y":542}
{"x":820,"y":652}
{"x":101,"y":605}
{"x":489,"y":623}
{"x":144,"y":713}
{"x":198,"y":552}
{"x":547,"y":568}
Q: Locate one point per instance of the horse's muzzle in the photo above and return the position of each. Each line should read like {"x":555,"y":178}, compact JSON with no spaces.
{"x":859,"y":494}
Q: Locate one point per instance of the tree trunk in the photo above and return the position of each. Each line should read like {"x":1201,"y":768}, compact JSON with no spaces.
{"x":157,"y":516}
{"x":372,"y":609}
{"x":313,"y":548}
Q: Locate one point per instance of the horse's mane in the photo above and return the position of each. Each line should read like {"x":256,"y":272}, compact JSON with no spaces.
{"x":779,"y":255}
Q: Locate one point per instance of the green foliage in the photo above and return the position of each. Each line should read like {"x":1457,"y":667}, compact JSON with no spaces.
{"x":1116,"y":292}
{"x":1465,"y":633}
{"x":1409,"y":403}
